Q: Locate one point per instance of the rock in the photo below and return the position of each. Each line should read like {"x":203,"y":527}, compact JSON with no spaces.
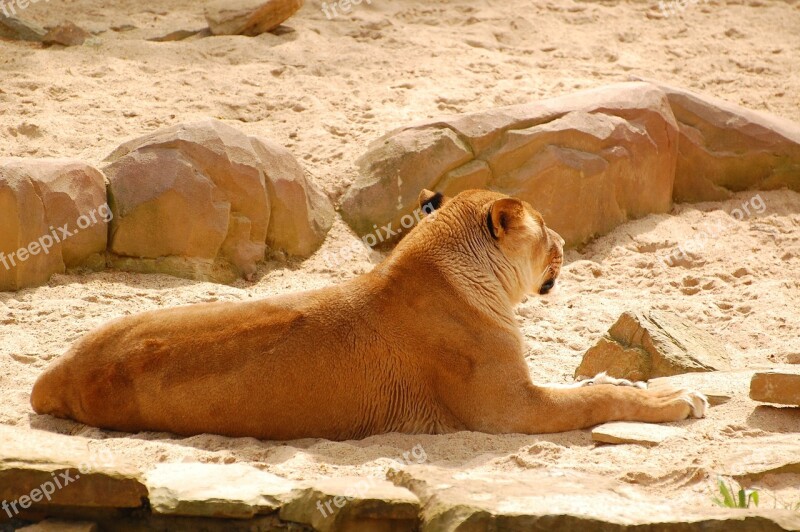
{"x":53,"y":216}
{"x":394,"y":170}
{"x":196,"y":200}
{"x":123,"y":27}
{"x":582,"y":160}
{"x":249,"y":17}
{"x":66,"y":34}
{"x":20,"y":30}
{"x":781,"y":387}
{"x":564,"y":500}
{"x":57,"y":525}
{"x":754,"y":458}
{"x":792,"y":358}
{"x":175,"y":215}
{"x":642,"y":346}
{"x":354,"y":503}
{"x":716,"y":397}
{"x":724,"y":147}
{"x":73,"y":193}
{"x":719,"y":387}
{"x":590,"y":158}
{"x":32,"y":461}
{"x":215,"y":490}
{"x":23,"y":220}
{"x":639,"y":433}
{"x":301,"y":214}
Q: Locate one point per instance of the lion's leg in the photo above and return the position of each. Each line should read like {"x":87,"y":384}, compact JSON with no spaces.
{"x":536,"y":409}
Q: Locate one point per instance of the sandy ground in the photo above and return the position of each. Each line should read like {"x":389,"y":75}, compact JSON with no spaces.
{"x":328,"y":88}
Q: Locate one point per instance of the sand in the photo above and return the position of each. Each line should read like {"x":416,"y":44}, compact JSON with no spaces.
{"x":326,"y":89}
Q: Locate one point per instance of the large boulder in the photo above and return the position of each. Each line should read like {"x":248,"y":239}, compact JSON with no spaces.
{"x":202,"y":200}
{"x":724,"y":147}
{"x":248,"y":17}
{"x":641,"y":346}
{"x":53,"y":217}
{"x":301,"y":213}
{"x":588,"y":161}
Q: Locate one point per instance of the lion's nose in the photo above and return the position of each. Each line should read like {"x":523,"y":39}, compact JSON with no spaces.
{"x":547,"y":286}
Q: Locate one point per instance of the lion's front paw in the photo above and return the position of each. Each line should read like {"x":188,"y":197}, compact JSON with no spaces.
{"x":677,"y":404}
{"x":697,"y":401}
{"x":604,"y":378}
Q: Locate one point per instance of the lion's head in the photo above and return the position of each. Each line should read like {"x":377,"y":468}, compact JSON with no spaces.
{"x":506,"y":234}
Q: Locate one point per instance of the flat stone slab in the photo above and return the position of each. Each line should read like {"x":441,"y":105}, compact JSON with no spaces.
{"x":716,"y":397}
{"x":40,"y":469}
{"x":354,"y":503}
{"x":756,"y":457}
{"x":780,"y":387}
{"x":216,"y":490}
{"x":564,"y":500}
{"x":719,"y":387}
{"x":638,"y":433}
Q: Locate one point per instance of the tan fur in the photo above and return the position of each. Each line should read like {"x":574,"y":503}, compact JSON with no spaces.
{"x":427,"y":342}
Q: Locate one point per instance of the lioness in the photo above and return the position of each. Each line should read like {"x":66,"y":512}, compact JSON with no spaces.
{"x":426,"y":342}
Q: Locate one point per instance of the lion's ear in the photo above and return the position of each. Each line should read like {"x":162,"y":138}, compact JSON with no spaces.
{"x":504,"y":215}
{"x":429,"y":201}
